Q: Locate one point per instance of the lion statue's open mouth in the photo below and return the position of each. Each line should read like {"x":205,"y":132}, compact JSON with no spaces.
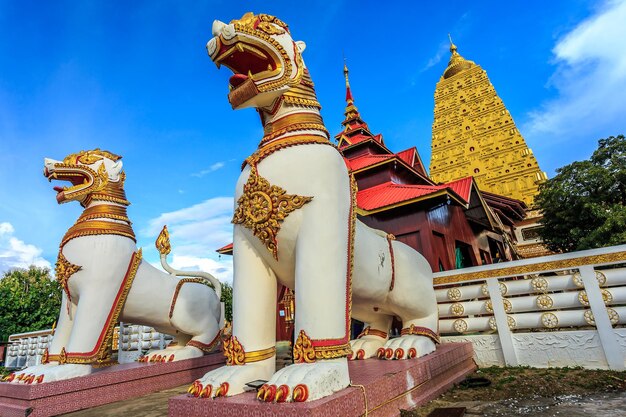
{"x":87,"y":171}
{"x":263,"y":57}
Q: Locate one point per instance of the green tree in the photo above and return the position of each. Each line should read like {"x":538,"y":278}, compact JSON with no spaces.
{"x":227,"y":299}
{"x":29,"y":300}
{"x":584,"y":205}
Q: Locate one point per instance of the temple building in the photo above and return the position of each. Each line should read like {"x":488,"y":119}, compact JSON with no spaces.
{"x":450,"y":223}
{"x":474,"y":134}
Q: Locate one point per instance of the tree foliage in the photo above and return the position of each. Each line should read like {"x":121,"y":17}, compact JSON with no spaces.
{"x":584,"y":205}
{"x":227,"y":299}
{"x":29,"y":300}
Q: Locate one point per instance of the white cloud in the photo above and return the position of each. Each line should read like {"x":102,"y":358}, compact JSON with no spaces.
{"x":221,"y":269}
{"x":212,"y":168}
{"x":15,"y":253}
{"x":590,"y":79}
{"x":434,"y":60}
{"x":195,"y":233}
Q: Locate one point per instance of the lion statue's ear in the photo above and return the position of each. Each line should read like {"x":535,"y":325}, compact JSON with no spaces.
{"x":301,"y":46}
{"x":115,"y":169}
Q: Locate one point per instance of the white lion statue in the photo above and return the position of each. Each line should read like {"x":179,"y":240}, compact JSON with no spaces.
{"x":295,"y":224}
{"x":105,"y":280}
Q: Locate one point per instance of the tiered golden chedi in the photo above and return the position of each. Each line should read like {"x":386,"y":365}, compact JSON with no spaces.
{"x":474,"y":134}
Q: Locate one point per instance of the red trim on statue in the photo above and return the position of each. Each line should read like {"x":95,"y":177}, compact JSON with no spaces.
{"x":420,"y":331}
{"x":116,"y":308}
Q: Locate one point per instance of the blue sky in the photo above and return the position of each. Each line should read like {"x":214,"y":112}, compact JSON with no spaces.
{"x":134,"y":78}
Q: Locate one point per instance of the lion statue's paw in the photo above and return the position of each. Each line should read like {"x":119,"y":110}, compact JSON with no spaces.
{"x":231,"y":380}
{"x":49,"y":373}
{"x":171,"y":354}
{"x":406,"y":347}
{"x":306,"y":381}
{"x":365,"y":347}
{"x":27,"y":376}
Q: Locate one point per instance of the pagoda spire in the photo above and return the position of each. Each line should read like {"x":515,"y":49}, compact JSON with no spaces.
{"x":457,"y":63}
{"x":351,"y":112}
{"x":453,"y":47}
{"x":472,"y":135}
{"x":349,"y":98}
{"x":353,"y":124}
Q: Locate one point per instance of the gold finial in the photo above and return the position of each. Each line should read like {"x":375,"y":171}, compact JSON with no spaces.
{"x":349,"y":97}
{"x":163,"y":242}
{"x":452,"y":45}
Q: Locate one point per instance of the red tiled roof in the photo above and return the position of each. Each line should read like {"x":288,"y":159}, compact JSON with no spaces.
{"x":358,"y":138}
{"x":366,"y":160}
{"x":408,"y":156}
{"x":390,"y":193}
{"x":462,"y":187}
{"x":226,"y":250}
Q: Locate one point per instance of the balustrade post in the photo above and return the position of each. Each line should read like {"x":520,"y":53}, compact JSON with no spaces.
{"x":504,"y":333}
{"x":608,"y":339}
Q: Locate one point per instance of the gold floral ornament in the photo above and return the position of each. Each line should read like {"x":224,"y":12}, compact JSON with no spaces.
{"x":62,"y":357}
{"x":234,"y":352}
{"x":454,"y":294}
{"x":544,"y":302}
{"x":263,"y":207}
{"x":549,"y":320}
{"x":460,"y":325}
{"x":613,"y":317}
{"x":303,"y":350}
{"x":578,"y":280}
{"x":539,"y":284}
{"x":508,"y":307}
{"x":457,"y":309}
{"x":163,"y":242}
{"x":63,"y":270}
{"x":510,"y":321}
{"x":583,"y":298}
{"x":503,"y":288}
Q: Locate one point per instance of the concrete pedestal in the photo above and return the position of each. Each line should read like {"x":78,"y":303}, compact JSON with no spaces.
{"x":105,"y":385}
{"x":384,"y":387}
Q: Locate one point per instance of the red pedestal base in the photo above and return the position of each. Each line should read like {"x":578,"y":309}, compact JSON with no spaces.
{"x":387,"y":387}
{"x":105,"y":385}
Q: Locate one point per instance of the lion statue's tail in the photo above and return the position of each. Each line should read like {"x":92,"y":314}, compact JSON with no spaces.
{"x":163,"y":246}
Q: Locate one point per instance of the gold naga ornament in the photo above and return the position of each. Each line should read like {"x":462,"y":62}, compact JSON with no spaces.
{"x":63,"y":270}
{"x":305,"y":350}
{"x":236,"y":355}
{"x":263,"y":207}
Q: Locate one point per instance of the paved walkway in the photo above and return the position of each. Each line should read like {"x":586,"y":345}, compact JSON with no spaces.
{"x":151,"y":405}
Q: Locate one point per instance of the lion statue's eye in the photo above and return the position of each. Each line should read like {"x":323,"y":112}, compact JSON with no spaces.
{"x":89,"y":159}
{"x":270,"y":29}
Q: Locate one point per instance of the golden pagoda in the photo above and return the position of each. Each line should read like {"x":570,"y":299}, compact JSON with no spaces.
{"x":474,"y":134}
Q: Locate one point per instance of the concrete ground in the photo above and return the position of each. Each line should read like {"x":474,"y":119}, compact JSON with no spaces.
{"x":151,"y":405}
{"x":155,"y":405}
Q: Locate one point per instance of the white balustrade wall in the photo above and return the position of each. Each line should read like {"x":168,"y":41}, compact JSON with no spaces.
{"x":135,"y":340}
{"x":559,"y":310}
{"x":26,"y":349}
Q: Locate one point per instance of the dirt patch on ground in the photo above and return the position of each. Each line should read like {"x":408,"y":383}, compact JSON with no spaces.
{"x":523,"y":383}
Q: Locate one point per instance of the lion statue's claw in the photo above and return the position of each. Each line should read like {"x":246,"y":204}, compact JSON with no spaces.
{"x":306,"y":381}
{"x":406,"y":347}
{"x":231,"y":380}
